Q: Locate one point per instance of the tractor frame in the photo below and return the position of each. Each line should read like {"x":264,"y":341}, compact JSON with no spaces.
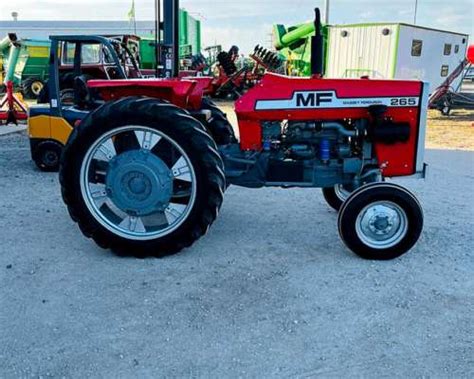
{"x":147,"y":162}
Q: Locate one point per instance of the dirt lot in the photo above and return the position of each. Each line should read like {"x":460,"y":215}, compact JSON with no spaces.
{"x":271,"y":291}
{"x":453,"y":132}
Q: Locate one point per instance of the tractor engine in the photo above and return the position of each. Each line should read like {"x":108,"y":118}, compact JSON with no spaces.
{"x":311,"y":140}
{"x":316,"y":152}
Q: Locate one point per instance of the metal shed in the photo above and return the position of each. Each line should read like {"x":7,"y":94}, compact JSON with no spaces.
{"x":394,"y":51}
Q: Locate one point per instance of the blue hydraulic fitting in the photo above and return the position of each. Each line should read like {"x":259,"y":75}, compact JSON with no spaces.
{"x":267,"y":145}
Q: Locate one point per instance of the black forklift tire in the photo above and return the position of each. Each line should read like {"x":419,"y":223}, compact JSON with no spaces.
{"x":363,"y":237}
{"x":47,"y":155}
{"x":168,"y":120}
{"x":31,"y":88}
{"x":218,"y":125}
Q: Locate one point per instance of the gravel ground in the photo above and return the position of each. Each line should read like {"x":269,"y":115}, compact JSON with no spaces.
{"x":269,"y":292}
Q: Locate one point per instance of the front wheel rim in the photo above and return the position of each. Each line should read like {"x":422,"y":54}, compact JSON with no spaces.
{"x":382,"y":225}
{"x":138,"y":183}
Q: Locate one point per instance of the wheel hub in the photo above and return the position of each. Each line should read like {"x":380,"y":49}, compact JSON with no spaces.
{"x":50,"y":158}
{"x":380,"y":223}
{"x":139,"y":183}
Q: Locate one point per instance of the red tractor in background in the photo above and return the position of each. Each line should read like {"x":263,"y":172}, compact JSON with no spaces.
{"x":145,"y":171}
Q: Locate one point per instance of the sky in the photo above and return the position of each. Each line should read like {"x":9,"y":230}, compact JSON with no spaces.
{"x":249,"y":22}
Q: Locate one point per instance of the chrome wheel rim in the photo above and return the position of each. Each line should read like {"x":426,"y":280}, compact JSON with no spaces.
{"x":382,"y":225}
{"x":138,"y":183}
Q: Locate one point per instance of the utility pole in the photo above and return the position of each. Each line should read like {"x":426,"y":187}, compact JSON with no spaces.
{"x":416,"y":11}
{"x":326,"y":12}
{"x":157,"y":36}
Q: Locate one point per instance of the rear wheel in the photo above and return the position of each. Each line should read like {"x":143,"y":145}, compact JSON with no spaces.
{"x":381,"y":221}
{"x":32,"y":87}
{"x":142,"y":177}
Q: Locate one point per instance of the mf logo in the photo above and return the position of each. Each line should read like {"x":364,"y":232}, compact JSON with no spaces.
{"x":300,"y":100}
{"x":330,"y":100}
{"x":313,"y":99}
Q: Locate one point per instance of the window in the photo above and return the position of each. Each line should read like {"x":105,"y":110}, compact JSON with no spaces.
{"x":447,"y":48}
{"x":90,"y":54}
{"x":416,"y":48}
{"x":68,"y":53}
{"x":456,"y":49}
{"x":444,"y":70}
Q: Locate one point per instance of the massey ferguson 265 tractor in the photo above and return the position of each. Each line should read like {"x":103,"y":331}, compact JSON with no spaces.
{"x":144,"y":173}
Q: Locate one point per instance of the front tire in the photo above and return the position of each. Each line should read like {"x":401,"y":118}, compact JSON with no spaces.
{"x":47,"y":155}
{"x":141,"y":177}
{"x":336,"y":196}
{"x":381,"y":221}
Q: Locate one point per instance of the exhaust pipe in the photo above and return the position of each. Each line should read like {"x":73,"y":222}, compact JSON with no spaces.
{"x":317,"y":48}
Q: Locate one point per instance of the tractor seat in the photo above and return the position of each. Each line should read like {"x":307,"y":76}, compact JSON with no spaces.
{"x":85,"y":97}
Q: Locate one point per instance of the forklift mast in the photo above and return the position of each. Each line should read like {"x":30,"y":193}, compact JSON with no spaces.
{"x":168,"y":47}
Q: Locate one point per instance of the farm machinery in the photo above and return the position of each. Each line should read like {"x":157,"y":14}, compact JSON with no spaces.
{"x":446,"y":97}
{"x":147,"y":163}
{"x":232,"y":81}
{"x":25,"y":63}
{"x":234,"y":74}
{"x":12,"y":109}
{"x":294,"y":44}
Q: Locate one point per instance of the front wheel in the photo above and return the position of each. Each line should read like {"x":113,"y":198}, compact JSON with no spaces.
{"x":142,"y":177}
{"x":335,"y":196}
{"x":381,"y":221}
{"x":47,"y":154}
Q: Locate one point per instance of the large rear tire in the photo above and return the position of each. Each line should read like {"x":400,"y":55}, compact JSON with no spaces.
{"x":218,"y":124}
{"x":142,"y":177}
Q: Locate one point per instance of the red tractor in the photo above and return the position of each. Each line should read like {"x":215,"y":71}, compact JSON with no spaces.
{"x":145,"y":172}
